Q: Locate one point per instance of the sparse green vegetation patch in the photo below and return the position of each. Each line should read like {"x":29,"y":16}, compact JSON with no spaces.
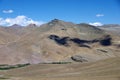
{"x":7,"y":67}
{"x":58,"y":63}
{"x":3,"y":78}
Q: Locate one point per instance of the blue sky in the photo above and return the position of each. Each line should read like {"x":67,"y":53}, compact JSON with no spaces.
{"x":77,"y":11}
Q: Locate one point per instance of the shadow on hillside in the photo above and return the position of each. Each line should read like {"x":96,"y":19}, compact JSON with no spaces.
{"x":106,"y":41}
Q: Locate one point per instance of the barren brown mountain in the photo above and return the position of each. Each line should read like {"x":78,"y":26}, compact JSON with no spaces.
{"x":56,"y":41}
{"x":59,"y":50}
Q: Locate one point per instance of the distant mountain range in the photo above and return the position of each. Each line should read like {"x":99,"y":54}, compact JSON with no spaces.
{"x":57,"y":41}
{"x":114,"y":28}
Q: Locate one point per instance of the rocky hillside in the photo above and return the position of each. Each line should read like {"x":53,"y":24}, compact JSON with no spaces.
{"x":58,"y":41}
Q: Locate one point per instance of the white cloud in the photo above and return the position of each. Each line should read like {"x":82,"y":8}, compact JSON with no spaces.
{"x":99,"y":15}
{"x":96,"y":24}
{"x":8,"y":11}
{"x":20,"y":20}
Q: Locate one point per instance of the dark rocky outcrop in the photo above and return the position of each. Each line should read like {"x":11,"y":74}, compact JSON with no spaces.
{"x":78,"y":58}
{"x":64,"y":41}
{"x":104,"y":51}
{"x":58,"y":40}
{"x":106,"y":41}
